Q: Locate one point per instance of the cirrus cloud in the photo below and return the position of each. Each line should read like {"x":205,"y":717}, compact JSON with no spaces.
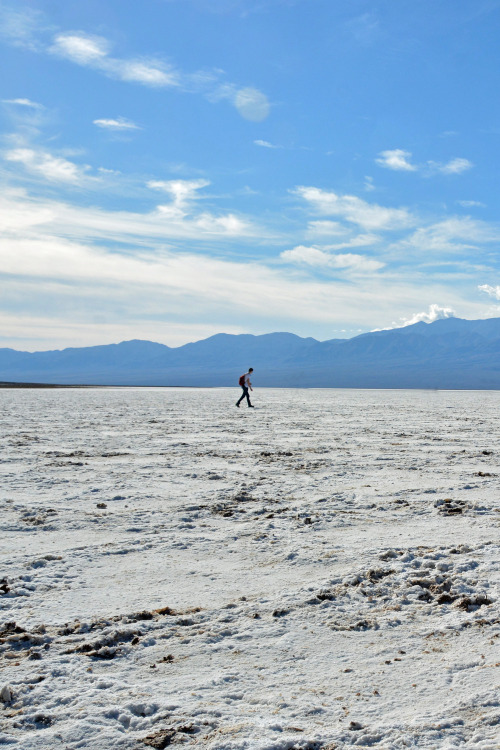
{"x":315,"y":256}
{"x":94,"y":52}
{"x":492,"y":291}
{"x":53,"y":168}
{"x":455,"y":166}
{"x":399,"y":160}
{"x":355,"y":210}
{"x":265,"y":144}
{"x":84,"y":49}
{"x":120,"y":123}
{"x":23,"y":103}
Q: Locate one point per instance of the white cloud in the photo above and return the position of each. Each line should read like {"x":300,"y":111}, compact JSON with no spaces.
{"x":369,"y":186}
{"x":23,"y":103}
{"x":355,"y":210}
{"x":80,"y":48}
{"x":455,"y":166}
{"x":104,"y":170}
{"x":150,"y":73}
{"x":68,"y":271}
{"x":121,"y":123}
{"x":162,"y":282}
{"x":182,"y":191}
{"x":53,"y":168}
{"x":27,"y":29}
{"x":492,"y":291}
{"x":400,"y":161}
{"x":326,"y":229}
{"x":361,"y":240}
{"x":265,"y":144}
{"x":396,"y":159}
{"x":21,"y":27}
{"x":471,"y":204}
{"x":177,"y":220}
{"x":93,"y":51}
{"x":455,"y":234}
{"x":435,"y":312}
{"x":314,"y":256}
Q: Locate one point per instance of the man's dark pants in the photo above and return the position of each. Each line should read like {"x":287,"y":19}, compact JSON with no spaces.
{"x":244,"y":395}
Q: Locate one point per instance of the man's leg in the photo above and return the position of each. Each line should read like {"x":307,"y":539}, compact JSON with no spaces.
{"x":248,"y":397}
{"x":242,"y":395}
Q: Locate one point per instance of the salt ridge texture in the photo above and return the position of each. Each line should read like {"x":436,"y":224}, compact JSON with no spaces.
{"x":320,"y":572}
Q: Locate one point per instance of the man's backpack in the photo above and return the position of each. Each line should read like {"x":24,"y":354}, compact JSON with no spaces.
{"x":241,"y":381}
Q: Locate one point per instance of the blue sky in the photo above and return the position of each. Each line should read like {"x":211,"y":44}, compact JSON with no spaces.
{"x":172,"y":169}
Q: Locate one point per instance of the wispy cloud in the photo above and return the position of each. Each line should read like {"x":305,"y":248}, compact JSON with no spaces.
{"x":396,"y":159}
{"x":71,"y":251}
{"x":178,"y":219}
{"x":265,"y":144}
{"x":181,"y":191}
{"x":23,"y":103}
{"x":452,"y":235}
{"x":65,"y":258}
{"x":52,"y":168}
{"x":28,"y":29}
{"x":492,"y":291}
{"x":80,"y":48}
{"x":369,"y":184}
{"x":455,"y":166}
{"x":399,"y":160}
{"x":355,"y":210}
{"x":93,"y":51}
{"x":360,"y":240}
{"x":315,"y":256}
{"x":120,"y":123}
{"x":326,"y":228}
{"x":22,"y":27}
{"x":471,"y":204}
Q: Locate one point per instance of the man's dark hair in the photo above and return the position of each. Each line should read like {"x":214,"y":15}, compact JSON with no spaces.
{"x":250,"y":369}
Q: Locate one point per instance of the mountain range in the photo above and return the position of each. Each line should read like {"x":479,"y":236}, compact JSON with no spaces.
{"x":448,"y":354}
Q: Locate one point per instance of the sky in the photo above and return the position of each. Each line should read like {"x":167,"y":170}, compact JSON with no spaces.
{"x":172,"y":169}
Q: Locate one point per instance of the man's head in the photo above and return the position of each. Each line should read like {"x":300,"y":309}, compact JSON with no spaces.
{"x":250,"y":369}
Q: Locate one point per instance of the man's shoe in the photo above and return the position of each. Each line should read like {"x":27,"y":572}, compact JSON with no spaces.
{"x":237,"y":405}
{"x":250,"y":406}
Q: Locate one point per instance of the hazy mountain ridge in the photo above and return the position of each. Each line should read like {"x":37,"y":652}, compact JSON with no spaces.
{"x":449,"y":353}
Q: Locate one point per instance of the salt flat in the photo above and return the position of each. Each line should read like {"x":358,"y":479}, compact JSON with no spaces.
{"x":320,"y":572}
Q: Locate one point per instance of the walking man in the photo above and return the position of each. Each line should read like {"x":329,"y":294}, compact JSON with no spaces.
{"x":245,"y":383}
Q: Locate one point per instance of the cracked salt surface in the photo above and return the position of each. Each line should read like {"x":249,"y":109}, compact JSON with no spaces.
{"x":321,"y":572}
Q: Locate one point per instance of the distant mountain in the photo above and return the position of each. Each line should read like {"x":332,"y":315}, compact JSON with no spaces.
{"x":449,"y":353}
